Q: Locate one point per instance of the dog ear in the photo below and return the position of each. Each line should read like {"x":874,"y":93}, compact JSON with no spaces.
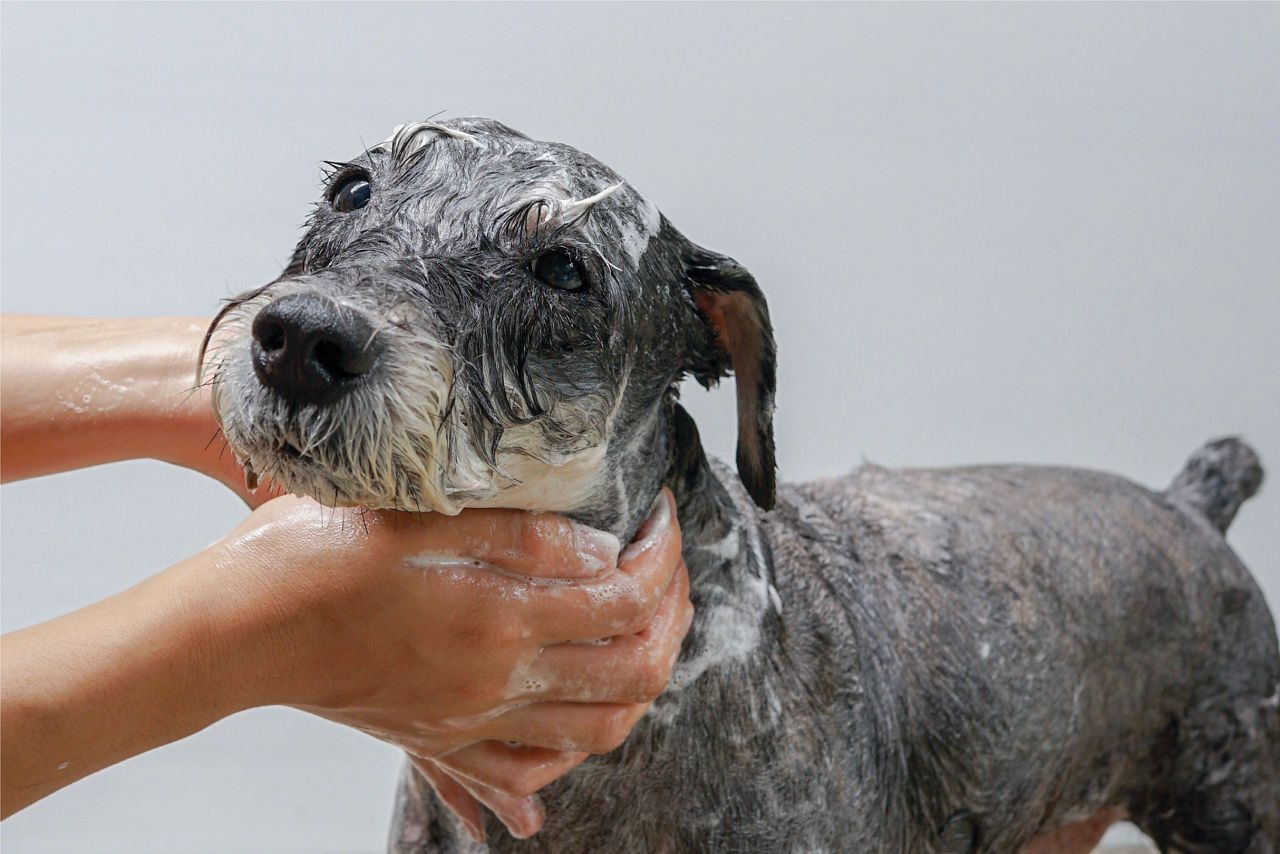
{"x":734,"y":310}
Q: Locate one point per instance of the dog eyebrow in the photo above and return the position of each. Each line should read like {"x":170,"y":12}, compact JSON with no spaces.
{"x":411,"y":137}
{"x":546,"y":213}
{"x":574,"y":210}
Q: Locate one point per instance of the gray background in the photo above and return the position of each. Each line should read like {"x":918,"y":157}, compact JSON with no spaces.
{"x":1014,"y":233}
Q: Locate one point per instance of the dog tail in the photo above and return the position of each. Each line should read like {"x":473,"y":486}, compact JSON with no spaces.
{"x":1217,"y":479}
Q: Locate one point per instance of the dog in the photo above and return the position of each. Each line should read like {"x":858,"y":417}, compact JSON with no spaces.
{"x":985,"y":659}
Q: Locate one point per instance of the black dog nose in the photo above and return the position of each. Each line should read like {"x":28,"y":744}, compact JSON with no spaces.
{"x":311,"y":349}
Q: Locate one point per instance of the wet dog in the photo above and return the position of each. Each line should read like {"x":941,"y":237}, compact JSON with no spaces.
{"x":952,"y":660}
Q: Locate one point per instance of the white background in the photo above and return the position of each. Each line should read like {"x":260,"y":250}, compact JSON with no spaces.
{"x":1011,"y":233}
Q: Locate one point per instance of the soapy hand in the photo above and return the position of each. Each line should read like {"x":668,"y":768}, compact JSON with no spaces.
{"x":498,"y":648}
{"x":503,"y":776}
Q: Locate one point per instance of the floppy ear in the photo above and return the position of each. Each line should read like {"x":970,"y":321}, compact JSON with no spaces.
{"x":734,"y":310}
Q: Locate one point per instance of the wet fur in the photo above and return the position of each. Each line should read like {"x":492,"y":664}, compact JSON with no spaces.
{"x":944,"y":660}
{"x":956,"y":660}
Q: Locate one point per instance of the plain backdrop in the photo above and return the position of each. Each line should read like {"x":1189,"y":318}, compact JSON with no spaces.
{"x":987,"y":233}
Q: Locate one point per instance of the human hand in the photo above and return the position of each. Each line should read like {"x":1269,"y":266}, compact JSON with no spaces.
{"x":504,"y":776}
{"x":472,"y":642}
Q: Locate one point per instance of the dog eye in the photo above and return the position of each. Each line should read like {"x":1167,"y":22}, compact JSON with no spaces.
{"x":353,"y":194}
{"x":558,"y":269}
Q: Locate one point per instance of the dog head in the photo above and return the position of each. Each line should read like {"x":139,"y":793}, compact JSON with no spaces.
{"x":475,"y":318}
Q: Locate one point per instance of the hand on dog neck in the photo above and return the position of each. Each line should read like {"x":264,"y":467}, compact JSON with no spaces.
{"x":636,"y":476}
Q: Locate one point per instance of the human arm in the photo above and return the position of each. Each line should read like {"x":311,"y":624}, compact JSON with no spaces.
{"x":81,"y":391}
{"x":373,"y":620}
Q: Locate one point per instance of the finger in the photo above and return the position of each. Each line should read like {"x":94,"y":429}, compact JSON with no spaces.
{"x":626,"y":669}
{"x":521,"y":815}
{"x":570,"y":727}
{"x":541,"y":545}
{"x":454,"y":796}
{"x":618,"y":603}
{"x":517,"y":770}
{"x":662,"y":519}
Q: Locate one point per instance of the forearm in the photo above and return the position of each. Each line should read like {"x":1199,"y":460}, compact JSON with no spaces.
{"x":122,"y":676}
{"x":79,"y":392}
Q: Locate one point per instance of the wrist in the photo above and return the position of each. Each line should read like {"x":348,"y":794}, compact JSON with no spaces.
{"x":220,"y":651}
{"x":160,"y":413}
{"x":265,"y":621}
{"x":80,"y":392}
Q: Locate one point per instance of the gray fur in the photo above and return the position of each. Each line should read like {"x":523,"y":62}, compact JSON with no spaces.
{"x":942,"y":660}
{"x":1218,"y":479}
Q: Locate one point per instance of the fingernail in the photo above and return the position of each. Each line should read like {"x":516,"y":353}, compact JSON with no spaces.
{"x":598,"y":550}
{"x":659,"y":517}
{"x":654,"y":525}
{"x":528,"y":819}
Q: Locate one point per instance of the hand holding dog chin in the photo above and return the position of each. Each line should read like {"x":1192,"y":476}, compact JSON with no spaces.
{"x":498,"y":648}
{"x":452,"y":637}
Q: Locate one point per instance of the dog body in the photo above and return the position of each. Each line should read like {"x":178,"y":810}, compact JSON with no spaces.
{"x":938,"y":660}
{"x":893,"y":661}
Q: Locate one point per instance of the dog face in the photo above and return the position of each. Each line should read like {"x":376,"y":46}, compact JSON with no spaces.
{"x":473,"y":318}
